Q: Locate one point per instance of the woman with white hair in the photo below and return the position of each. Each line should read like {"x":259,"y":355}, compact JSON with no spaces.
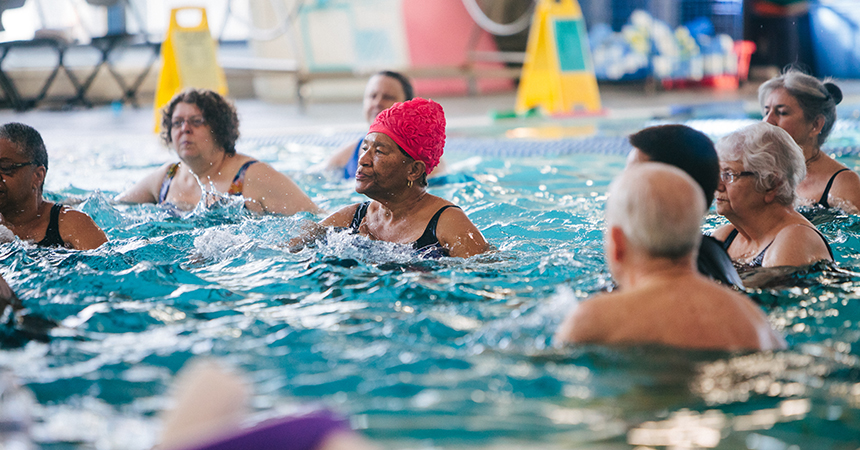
{"x":805,"y":107}
{"x":760,"y":167}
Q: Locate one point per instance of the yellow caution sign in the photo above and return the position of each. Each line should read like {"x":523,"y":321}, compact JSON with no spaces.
{"x":188,"y":59}
{"x":558,"y":74}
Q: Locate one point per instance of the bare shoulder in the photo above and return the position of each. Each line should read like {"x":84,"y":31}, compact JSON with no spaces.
{"x":845,"y":191}
{"x":275,"y":191}
{"x":80,"y":230}
{"x":458,"y":234}
{"x":342,"y":217}
{"x":796,"y":245}
{"x":340,"y":158}
{"x":587,"y":321}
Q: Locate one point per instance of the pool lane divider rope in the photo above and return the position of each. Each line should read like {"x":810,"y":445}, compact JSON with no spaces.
{"x":521,"y":147}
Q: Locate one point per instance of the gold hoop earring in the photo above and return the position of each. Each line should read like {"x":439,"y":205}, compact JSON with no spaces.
{"x":409,"y":184}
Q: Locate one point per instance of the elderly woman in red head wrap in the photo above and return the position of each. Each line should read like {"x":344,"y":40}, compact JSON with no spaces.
{"x":404,"y":144}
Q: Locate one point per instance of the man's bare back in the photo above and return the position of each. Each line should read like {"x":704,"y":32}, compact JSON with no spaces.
{"x":685,"y":310}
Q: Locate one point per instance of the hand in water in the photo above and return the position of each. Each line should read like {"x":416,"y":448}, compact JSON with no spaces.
{"x":311,"y":232}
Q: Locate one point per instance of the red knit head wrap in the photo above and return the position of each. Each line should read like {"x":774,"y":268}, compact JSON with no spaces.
{"x":417,"y":126}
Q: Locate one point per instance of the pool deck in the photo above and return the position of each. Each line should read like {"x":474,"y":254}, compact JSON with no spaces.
{"x":259,"y":118}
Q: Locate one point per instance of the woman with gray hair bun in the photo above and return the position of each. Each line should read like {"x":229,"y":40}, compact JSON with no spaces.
{"x":805,"y":107}
{"x":760,"y":167}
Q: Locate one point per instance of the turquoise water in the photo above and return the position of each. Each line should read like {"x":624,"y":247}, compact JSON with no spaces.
{"x":420,"y":354}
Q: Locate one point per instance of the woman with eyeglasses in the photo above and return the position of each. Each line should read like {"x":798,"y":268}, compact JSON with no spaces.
{"x":23,"y":166}
{"x":806,"y":108}
{"x":760,"y":167}
{"x":693,"y":152}
{"x":202,"y":127}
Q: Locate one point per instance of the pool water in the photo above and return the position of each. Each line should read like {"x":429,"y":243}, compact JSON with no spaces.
{"x":419,"y":354}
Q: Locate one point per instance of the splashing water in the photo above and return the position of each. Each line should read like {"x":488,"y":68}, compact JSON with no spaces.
{"x":457,"y":352}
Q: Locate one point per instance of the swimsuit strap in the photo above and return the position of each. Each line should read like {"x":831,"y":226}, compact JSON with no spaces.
{"x":429,"y":237}
{"x":52,"y":233}
{"x":756,"y":262}
{"x":239,"y":180}
{"x":165,"y":184}
{"x":759,"y":259}
{"x":352,"y":165}
{"x":826,"y":244}
{"x":823,"y":201}
{"x":358,"y":217}
{"x":730,"y":238}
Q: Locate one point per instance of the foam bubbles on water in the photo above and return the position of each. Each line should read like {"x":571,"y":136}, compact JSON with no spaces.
{"x":217,"y":243}
{"x":6,"y":235}
{"x":539,"y":320}
{"x":344,"y":244}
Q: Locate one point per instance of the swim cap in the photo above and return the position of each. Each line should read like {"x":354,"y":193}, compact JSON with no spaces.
{"x":417,"y":126}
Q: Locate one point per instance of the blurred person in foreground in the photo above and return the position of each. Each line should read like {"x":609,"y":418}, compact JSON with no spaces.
{"x":211,"y":409}
{"x":23,"y":210}
{"x":805,"y":107}
{"x":403,"y":146}
{"x":760,"y":167}
{"x":653,"y":218}
{"x":202,"y":127}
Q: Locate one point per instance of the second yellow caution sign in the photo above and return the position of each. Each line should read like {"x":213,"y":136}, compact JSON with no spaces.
{"x":188,"y":58}
{"x":558,"y":74}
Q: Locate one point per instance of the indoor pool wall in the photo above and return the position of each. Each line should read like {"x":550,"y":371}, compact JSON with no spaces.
{"x":443,"y":354}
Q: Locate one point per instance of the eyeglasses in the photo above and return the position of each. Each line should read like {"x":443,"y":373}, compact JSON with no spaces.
{"x":731,"y":177}
{"x":196,"y":122}
{"x":10,"y":168}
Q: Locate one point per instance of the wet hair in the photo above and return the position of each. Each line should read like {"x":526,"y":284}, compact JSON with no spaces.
{"x":685,"y":148}
{"x":218,"y":113}
{"x":770,"y":153}
{"x":816,"y":98}
{"x":659,"y":208}
{"x":28,"y":140}
{"x":408,"y":91}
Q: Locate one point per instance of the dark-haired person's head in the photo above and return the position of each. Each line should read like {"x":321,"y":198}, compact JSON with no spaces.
{"x":218,"y":113}
{"x":28,"y":141}
{"x":815,"y":97}
{"x":383,"y":90}
{"x":683,"y":147}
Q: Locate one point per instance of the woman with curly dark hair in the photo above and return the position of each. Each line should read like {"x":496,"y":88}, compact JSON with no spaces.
{"x":202,"y":127}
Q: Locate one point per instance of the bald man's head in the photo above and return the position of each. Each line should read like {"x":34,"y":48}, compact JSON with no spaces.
{"x":659,"y":209}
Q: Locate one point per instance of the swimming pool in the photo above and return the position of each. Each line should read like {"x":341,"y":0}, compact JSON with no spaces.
{"x":420,"y":354}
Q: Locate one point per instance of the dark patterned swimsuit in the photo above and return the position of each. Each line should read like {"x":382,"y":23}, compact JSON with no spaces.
{"x":759,"y":259}
{"x":236,"y":186}
{"x":823,"y":201}
{"x":428,"y":244}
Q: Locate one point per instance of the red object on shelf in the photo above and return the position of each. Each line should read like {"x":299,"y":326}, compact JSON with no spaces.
{"x":743,"y":50}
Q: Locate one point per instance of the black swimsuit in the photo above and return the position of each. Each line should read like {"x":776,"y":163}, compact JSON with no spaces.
{"x":715,"y":263}
{"x":823,"y":201}
{"x":428,"y":244}
{"x":52,"y":234}
{"x":759,"y":259}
